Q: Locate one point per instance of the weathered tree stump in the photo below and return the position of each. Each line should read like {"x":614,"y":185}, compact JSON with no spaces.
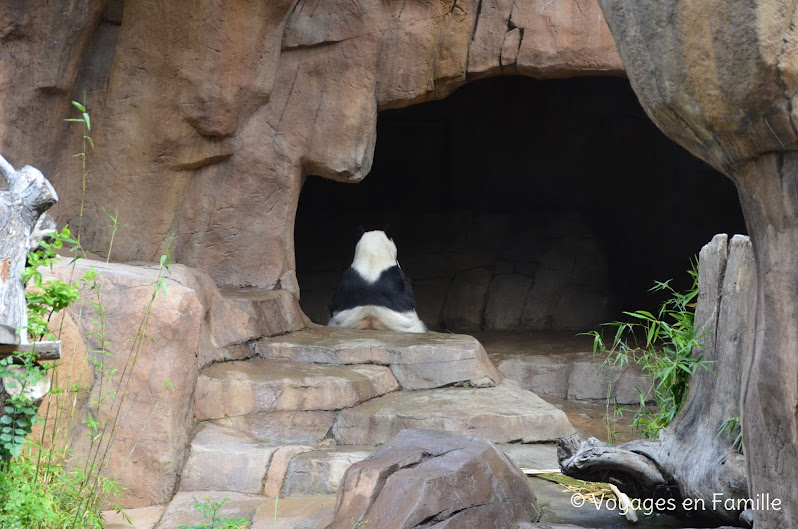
{"x":25,"y":196}
{"x":719,"y":78}
{"x":690,"y":460}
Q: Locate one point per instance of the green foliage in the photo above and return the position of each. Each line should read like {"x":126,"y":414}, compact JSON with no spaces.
{"x":210,"y":511}
{"x":30,"y":498}
{"x":664,"y":353}
{"x":731,"y":426}
{"x":19,"y":413}
{"x":46,"y":298}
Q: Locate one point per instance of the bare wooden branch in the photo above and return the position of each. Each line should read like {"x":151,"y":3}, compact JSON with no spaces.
{"x":42,"y":351}
{"x":690,"y":459}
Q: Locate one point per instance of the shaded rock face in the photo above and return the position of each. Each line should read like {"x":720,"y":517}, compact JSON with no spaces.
{"x":513,"y":202}
{"x":438,"y":479}
{"x":211,"y":140}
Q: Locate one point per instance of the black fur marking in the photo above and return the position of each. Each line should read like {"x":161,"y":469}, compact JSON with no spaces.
{"x":391,"y":290}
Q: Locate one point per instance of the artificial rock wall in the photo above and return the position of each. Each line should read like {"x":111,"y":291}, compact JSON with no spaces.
{"x":206,"y":120}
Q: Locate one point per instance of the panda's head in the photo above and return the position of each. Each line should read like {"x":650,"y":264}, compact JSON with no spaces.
{"x":374,"y":253}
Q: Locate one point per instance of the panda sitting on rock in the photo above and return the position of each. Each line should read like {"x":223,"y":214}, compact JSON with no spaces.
{"x":374,"y":293}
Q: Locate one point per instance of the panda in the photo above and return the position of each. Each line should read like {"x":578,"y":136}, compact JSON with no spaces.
{"x":374,"y":293}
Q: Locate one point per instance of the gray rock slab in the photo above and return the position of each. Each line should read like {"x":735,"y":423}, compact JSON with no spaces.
{"x":283,"y":426}
{"x":572,"y":376}
{"x":230,"y":389}
{"x":227,"y":460}
{"x":502,"y":414}
{"x":418,"y":361}
{"x":181,"y":509}
{"x":321,"y":471}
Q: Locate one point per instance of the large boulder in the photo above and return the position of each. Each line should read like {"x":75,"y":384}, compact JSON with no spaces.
{"x":440,"y":479}
{"x":193,"y":324}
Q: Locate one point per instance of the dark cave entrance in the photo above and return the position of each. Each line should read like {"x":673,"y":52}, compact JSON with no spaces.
{"x":519,"y":204}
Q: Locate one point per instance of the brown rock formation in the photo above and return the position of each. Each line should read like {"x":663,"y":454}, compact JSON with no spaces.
{"x":153,"y":434}
{"x":206,"y":123}
{"x":719,"y":78}
{"x":434,"y":479}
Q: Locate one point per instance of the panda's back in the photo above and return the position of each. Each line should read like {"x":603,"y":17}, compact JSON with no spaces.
{"x":391,"y":290}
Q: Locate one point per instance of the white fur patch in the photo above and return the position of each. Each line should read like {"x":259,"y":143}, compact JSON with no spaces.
{"x":374,"y":253}
{"x":379,"y":318}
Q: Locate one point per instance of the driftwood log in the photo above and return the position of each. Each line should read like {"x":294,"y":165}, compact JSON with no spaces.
{"x":691,"y":465}
{"x":25,"y":196}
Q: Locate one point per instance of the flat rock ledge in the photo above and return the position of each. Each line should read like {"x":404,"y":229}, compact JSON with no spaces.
{"x":418,"y":361}
{"x":502,"y":414}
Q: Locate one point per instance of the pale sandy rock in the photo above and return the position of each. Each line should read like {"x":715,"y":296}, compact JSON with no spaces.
{"x":321,"y":471}
{"x":232,"y":389}
{"x":278,"y":468}
{"x":512,"y":41}
{"x":225,"y":459}
{"x":418,"y":361}
{"x":506,"y":297}
{"x":143,"y":518}
{"x":283,"y":426}
{"x":465,"y":303}
{"x":181,"y":511}
{"x":505,"y":413}
{"x":306,"y":512}
{"x":440,"y":479}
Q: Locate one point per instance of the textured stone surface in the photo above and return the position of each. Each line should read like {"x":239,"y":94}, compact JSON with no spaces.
{"x":181,"y":511}
{"x":321,"y":471}
{"x":417,"y":361}
{"x":193,"y":318}
{"x":502,"y":414}
{"x":283,"y":426}
{"x":506,"y":299}
{"x":206,"y":156}
{"x":278,"y":467}
{"x":232,"y":389}
{"x":465,"y":304}
{"x":225,"y":459}
{"x":572,"y":376}
{"x":441,"y":479}
{"x":143,"y":518}
{"x":307,"y":512}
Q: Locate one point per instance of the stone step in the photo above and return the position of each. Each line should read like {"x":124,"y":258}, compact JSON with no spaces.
{"x":502,"y":414}
{"x":309,"y":512}
{"x":573,"y":376}
{"x":418,"y":361}
{"x":225,"y":459}
{"x":284,"y":401}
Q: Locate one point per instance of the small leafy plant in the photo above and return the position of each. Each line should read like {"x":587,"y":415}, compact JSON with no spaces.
{"x":665,"y":354}
{"x":210,"y":511}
